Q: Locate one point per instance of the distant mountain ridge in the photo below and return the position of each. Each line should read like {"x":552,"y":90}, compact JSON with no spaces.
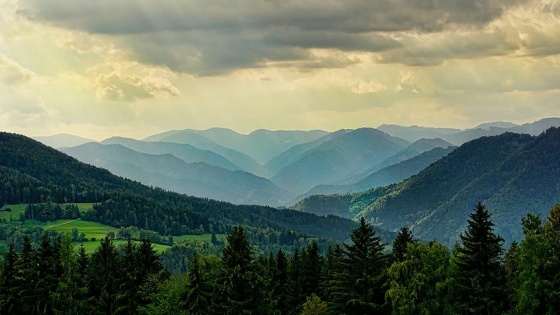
{"x":169,"y":172}
{"x":62,"y":140}
{"x":511,"y":173}
{"x":31,"y":172}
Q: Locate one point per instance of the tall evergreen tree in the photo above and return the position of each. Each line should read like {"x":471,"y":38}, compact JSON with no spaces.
{"x":241,"y":292}
{"x":198,"y":300}
{"x":103,"y":278}
{"x":295,"y":296}
{"x":280,"y":282}
{"x":312,"y":265}
{"x":480,"y":272}
{"x":9,"y":303}
{"x":364,"y":272}
{"x":400,"y":244}
{"x":26,"y":278}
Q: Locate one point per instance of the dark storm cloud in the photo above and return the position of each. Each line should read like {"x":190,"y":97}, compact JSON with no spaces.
{"x":212,"y":37}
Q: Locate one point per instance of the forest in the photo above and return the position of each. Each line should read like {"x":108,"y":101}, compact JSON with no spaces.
{"x":361,"y":276}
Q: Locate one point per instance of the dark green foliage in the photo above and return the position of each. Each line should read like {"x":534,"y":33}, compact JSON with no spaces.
{"x":198,"y":298}
{"x":480,"y":273}
{"x":33,"y":173}
{"x":354,"y":278}
{"x":511,"y":173}
{"x":363,"y":272}
{"x":400,"y":244}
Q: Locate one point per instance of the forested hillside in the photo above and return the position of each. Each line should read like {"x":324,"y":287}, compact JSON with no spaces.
{"x":361,"y":276}
{"x":31,"y":172}
{"x":513,"y":174}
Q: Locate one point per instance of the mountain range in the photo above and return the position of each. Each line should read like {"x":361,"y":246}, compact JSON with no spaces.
{"x":285,"y":165}
{"x":512,"y":174}
{"x":31,"y":172}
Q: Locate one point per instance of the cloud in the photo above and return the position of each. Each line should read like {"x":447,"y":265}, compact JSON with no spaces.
{"x":11,"y":72}
{"x":214,"y":37}
{"x":128,"y":88}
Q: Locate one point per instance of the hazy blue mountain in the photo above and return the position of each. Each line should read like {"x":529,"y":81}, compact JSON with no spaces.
{"x":62,"y":140}
{"x":414,"y":149}
{"x":415,"y":133}
{"x":511,"y":173}
{"x":458,"y":137}
{"x":185,"y":152}
{"x":200,"y":141}
{"x":339,"y":155}
{"x":537,"y":127}
{"x":262,"y":145}
{"x":294,"y":153}
{"x":496,"y":124}
{"x":31,"y":172}
{"x":169,"y":172}
{"x":388,"y":175}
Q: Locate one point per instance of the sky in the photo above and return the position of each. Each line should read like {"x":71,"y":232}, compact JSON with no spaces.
{"x":135,"y":68}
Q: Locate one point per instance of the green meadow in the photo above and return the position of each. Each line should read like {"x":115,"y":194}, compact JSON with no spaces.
{"x":92,"y":230}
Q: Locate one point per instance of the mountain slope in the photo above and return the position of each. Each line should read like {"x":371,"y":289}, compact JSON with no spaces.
{"x":169,"y":172}
{"x":511,"y":173}
{"x":385,"y":176}
{"x":197,"y":140}
{"x":62,"y":140}
{"x":31,"y":172}
{"x":343,"y":154}
{"x":185,"y":152}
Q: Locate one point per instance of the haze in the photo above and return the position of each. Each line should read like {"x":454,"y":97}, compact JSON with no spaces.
{"x":134,"y":68}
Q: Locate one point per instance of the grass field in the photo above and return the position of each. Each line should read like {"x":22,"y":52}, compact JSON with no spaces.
{"x":17,"y":210}
{"x":93,"y":229}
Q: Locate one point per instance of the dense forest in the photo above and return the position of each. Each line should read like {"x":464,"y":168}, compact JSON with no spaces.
{"x":32,"y":173}
{"x":361,"y":276}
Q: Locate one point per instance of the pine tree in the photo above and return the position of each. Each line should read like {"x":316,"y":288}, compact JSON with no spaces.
{"x":241,"y":290}
{"x":312,"y":265}
{"x":400,"y":244}
{"x":364,"y":272}
{"x":103,"y":278}
{"x":280,"y":282}
{"x":480,"y":272}
{"x":9,"y":303}
{"x":198,"y":300}
{"x":333,"y":280}
{"x":295,"y":296}
{"x":26,"y":278}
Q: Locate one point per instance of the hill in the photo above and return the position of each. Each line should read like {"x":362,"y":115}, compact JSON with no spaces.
{"x":261,"y":145}
{"x":385,"y":176}
{"x":511,"y":173}
{"x":169,"y":172}
{"x":336,"y":156}
{"x":200,"y":141}
{"x":185,"y":152}
{"x":63,"y":140}
{"x":31,"y":172}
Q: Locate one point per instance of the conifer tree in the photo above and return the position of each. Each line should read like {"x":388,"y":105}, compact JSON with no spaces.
{"x":400,"y":244}
{"x":26,"y":277}
{"x":280,"y":282}
{"x":198,"y":300}
{"x":9,"y":303}
{"x":241,"y":292}
{"x":364,"y":272}
{"x":480,"y":272}
{"x":312,"y":266}
{"x":103,"y":277}
{"x":295,"y":296}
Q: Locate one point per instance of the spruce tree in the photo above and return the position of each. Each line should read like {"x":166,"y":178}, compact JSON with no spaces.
{"x":312,"y":265}
{"x":400,"y":244}
{"x":480,"y":272}
{"x":364,"y":272}
{"x":198,"y":300}
{"x":26,"y":277}
{"x":241,"y":290}
{"x":280,"y":282}
{"x":9,"y":303}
